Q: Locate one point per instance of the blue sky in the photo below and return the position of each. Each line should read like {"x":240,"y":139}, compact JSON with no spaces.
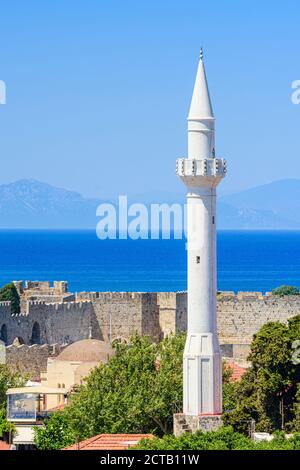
{"x":98,"y":91}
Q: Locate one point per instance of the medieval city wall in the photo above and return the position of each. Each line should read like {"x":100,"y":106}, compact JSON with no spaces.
{"x":151,"y":325}
{"x":241,"y":316}
{"x":30,"y":360}
{"x":113,"y":315}
{"x":42,"y":291}
{"x":47,"y":323}
{"x":60,"y":323}
{"x":117,"y":315}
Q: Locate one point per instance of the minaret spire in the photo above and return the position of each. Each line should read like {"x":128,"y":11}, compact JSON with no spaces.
{"x":201,"y":121}
{"x":201,"y":107}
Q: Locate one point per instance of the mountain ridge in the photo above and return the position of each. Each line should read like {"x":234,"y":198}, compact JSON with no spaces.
{"x":30,"y":204}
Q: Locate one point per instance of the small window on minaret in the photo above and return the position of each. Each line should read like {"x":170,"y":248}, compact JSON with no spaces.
{"x":213,"y":219}
{"x":198,"y":259}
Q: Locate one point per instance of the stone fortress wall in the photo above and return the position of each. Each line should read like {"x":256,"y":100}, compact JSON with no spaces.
{"x":30,"y":360}
{"x":42,"y":290}
{"x":46,"y":323}
{"x":117,"y":315}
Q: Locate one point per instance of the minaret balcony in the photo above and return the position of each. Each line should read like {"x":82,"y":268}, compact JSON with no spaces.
{"x":208,"y":167}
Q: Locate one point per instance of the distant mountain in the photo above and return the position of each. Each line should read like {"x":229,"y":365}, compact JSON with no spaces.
{"x":271,"y":206}
{"x":31,"y":204}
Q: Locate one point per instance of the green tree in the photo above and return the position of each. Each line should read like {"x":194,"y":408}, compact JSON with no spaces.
{"x":5,"y":426}
{"x":230,"y":388}
{"x":8,"y":379}
{"x":139,"y":390}
{"x":267,"y":391}
{"x":295,"y":425}
{"x":55,"y":434}
{"x":9,"y":292}
{"x":285,"y":290}
{"x":224,"y":438}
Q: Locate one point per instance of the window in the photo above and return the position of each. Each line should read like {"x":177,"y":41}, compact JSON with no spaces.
{"x":3,"y":333}
{"x":36,"y":334}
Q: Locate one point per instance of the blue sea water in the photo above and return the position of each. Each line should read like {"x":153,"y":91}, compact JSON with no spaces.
{"x":247,"y":260}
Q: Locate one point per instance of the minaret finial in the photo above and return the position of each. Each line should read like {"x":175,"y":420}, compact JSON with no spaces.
{"x":200,"y":105}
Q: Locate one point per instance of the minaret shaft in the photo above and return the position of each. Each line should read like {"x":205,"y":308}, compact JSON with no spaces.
{"x":201,"y":172}
{"x":201,"y":137}
{"x":202,"y":262}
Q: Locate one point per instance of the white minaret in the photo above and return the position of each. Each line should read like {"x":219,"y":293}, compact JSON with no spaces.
{"x":201,"y":172}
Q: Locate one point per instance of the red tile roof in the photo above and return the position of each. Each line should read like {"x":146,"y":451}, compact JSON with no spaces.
{"x":109,"y":442}
{"x":237,"y":370}
{"x":4,"y":446}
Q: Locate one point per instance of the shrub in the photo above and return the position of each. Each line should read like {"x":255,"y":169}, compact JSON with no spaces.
{"x":10,"y":293}
{"x":285,"y":290}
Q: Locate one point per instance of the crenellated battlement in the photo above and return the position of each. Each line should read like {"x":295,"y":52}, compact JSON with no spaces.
{"x":63,"y":306}
{"x":27,"y":347}
{"x":42,"y":291}
{"x":254,"y":296}
{"x":111,"y":315}
{"x":80,"y":296}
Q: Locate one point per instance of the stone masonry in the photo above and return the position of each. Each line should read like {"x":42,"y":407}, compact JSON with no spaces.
{"x":43,"y":291}
{"x":30,"y":360}
{"x":118,"y":315}
{"x":183,"y":423}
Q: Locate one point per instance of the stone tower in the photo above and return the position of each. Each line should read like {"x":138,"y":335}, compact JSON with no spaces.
{"x":201,"y":172}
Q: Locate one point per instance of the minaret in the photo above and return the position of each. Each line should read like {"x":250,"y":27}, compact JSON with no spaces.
{"x":201,"y":172}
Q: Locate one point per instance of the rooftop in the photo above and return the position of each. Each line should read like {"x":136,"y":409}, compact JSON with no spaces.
{"x":237,"y":370}
{"x":4,"y":446}
{"x":110,"y":442}
{"x":86,"y":350}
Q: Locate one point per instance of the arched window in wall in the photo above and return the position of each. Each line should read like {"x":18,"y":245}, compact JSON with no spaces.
{"x":36,"y":334}
{"x":3,"y":333}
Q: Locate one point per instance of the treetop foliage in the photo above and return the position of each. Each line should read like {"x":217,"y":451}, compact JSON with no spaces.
{"x":224,"y":438}
{"x":10,"y":293}
{"x":285,"y":290}
{"x":268,"y":390}
{"x":8,"y":379}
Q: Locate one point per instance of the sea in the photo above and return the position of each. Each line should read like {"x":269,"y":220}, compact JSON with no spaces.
{"x":247,"y":260}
